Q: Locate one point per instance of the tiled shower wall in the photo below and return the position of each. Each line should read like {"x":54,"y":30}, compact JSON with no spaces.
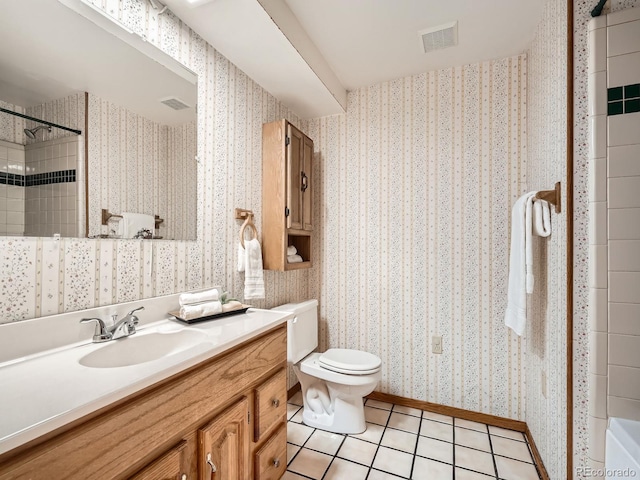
{"x":51,"y":202}
{"x":546,"y":333}
{"x":51,"y":276}
{"x":614,"y":107}
{"x":405,"y":252}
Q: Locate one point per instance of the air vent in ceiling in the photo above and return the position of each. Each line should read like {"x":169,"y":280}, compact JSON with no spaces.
{"x":439,"y":37}
{"x":174,"y":103}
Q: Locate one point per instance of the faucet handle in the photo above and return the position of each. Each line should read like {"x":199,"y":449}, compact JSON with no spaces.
{"x":101,"y":334}
{"x":134,"y":317}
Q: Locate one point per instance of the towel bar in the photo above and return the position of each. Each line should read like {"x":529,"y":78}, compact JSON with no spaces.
{"x":247,"y":215}
{"x":554,"y":197}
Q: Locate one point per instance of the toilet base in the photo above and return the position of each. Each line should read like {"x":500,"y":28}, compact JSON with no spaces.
{"x":331,"y":406}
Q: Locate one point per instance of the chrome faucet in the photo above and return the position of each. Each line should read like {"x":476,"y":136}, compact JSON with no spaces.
{"x":121,"y":328}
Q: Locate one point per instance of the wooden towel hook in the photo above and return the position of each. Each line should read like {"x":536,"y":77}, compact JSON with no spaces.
{"x":552,"y":196}
{"x":247,"y":215}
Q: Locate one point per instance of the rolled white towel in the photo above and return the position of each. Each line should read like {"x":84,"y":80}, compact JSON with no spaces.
{"x":541,"y":218}
{"x":188,"y":312}
{"x":291,"y":250}
{"x":191,"y":298}
{"x":294,"y":259}
{"x":230,"y":306}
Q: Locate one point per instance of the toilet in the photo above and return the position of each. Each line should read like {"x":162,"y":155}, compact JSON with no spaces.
{"x":333,"y":383}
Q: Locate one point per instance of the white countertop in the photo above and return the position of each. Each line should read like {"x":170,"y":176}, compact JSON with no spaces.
{"x":44,"y":391}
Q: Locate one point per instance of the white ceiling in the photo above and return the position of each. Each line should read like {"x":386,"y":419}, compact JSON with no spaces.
{"x":370,"y":41}
{"x":308,"y":53}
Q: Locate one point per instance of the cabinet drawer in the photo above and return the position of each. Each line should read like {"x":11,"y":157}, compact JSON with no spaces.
{"x":170,"y":466}
{"x":271,"y":459}
{"x":270,"y":404}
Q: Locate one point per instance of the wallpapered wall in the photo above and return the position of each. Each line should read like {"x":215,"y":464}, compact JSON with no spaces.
{"x":417,"y":180}
{"x":546,"y":335}
{"x":137,"y":165}
{"x":44,"y":277}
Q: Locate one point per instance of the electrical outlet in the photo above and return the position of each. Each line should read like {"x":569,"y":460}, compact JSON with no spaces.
{"x":544,"y":384}
{"x":436,"y":344}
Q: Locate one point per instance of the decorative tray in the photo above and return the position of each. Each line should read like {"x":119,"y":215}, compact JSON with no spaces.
{"x":215,"y":316}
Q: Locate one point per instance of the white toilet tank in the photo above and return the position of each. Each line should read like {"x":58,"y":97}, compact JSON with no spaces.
{"x":302,"y":329}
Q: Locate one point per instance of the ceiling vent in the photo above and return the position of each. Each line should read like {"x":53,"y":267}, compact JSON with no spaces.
{"x":439,"y":37}
{"x":174,"y":103}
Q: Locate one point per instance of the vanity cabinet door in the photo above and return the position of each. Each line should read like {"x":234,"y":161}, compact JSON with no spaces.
{"x":224,"y":444}
{"x":172,"y":465}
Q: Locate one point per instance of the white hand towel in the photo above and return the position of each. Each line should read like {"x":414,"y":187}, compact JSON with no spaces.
{"x":253,"y":273}
{"x":241,"y":254}
{"x":528,"y":234}
{"x":191,"y":298}
{"x":291,"y":250}
{"x":521,"y":253}
{"x":132,"y":223}
{"x":541,"y":218}
{"x":294,"y":259}
{"x":187,"y":312}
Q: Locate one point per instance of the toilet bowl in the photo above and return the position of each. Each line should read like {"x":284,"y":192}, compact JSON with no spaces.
{"x":333,"y":383}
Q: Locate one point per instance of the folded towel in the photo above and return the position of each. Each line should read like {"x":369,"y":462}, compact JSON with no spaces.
{"x":230,"y":306}
{"x":294,"y":259}
{"x":241,"y":255}
{"x":520,"y":264}
{"x":188,"y":312}
{"x":191,"y":298}
{"x":541,"y":218}
{"x":132,"y":223}
{"x":253,"y":273}
{"x":291,"y":250}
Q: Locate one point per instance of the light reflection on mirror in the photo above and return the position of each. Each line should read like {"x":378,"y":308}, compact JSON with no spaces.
{"x":139,"y":152}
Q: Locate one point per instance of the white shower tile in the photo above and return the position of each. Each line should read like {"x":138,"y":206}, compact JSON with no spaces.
{"x":623,"y":192}
{"x":624,"y":223}
{"x":598,"y":93}
{"x":623,"y":129}
{"x":624,"y":318}
{"x":624,"y":255}
{"x":598,"y":396}
{"x":623,"y":70}
{"x":598,"y":353}
{"x":621,"y":16}
{"x":624,"y":382}
{"x":598,"y":314}
{"x":624,"y":350}
{"x":598,"y":136}
{"x":597,"y":429}
{"x":597,"y":223}
{"x":623,"y":38}
{"x":624,"y":287}
{"x":597,"y":60}
{"x":598,"y":261}
{"x":624,"y":161}
{"x":623,"y":407}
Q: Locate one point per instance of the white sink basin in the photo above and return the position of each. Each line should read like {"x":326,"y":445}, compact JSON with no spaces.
{"x":142,"y":348}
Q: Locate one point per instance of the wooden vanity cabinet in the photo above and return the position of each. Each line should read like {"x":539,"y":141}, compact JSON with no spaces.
{"x":226,"y":414}
{"x":287,"y":192}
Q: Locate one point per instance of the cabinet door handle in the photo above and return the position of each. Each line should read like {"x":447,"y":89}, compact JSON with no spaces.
{"x":305,"y":181}
{"x":276,"y":462}
{"x":211,"y":464}
{"x":275,"y":402}
{"x":183,"y":477}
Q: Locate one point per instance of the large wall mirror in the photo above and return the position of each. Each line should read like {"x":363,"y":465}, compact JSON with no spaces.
{"x":66,"y":63}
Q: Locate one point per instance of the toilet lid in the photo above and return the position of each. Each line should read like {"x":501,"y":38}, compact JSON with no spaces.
{"x":347,"y":361}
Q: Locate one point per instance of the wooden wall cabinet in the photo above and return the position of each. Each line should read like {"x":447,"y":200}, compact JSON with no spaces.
{"x":222,"y":420}
{"x":287,"y":191}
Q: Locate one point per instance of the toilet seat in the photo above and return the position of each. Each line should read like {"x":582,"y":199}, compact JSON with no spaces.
{"x":350,"y":362}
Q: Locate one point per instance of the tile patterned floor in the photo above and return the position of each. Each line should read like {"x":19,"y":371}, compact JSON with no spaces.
{"x":406,"y":443}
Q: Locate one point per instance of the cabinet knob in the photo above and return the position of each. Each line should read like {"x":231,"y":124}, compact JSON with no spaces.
{"x":276,"y":462}
{"x":214,"y":469}
{"x":275,"y":402}
{"x":183,"y":477}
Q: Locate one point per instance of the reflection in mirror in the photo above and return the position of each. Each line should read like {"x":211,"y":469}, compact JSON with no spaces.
{"x":135,"y":105}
